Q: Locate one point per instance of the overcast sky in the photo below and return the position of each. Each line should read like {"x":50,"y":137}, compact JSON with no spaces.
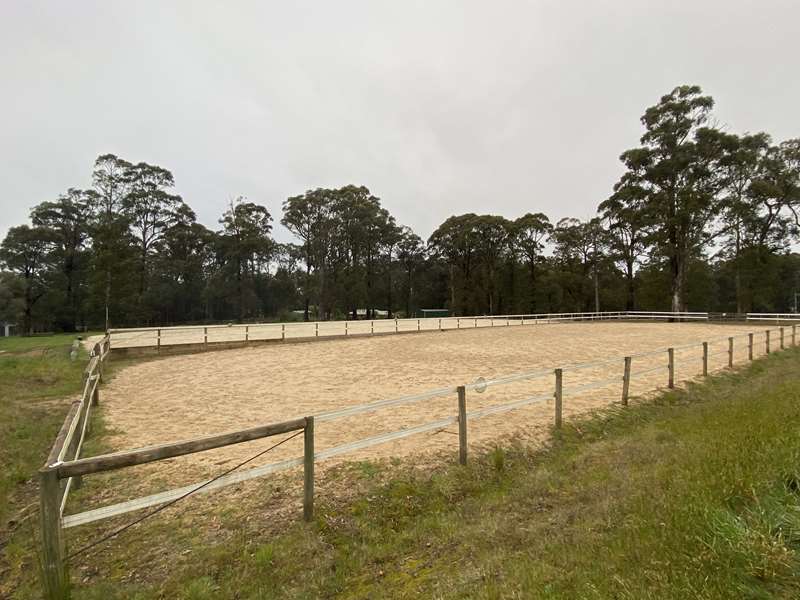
{"x":439,"y":108}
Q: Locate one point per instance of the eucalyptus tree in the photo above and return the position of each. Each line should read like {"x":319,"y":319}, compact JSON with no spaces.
{"x":740,"y":167}
{"x":67,"y":221}
{"x":151,"y":210}
{"x":675,"y":168}
{"x":411,"y":255}
{"x":27,"y":253}
{"x":530,"y":232}
{"x":248,"y":248}
{"x":454,"y":243}
{"x":626,"y":221}
{"x":110,"y":236}
{"x":310,"y":217}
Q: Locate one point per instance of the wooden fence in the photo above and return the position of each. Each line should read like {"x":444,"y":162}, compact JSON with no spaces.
{"x":64,"y":467}
{"x":205,"y":337}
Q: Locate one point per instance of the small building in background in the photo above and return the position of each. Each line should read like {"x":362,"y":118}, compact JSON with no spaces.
{"x":7,"y":329}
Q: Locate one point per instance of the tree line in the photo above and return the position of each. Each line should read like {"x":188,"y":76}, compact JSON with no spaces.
{"x":701,"y":219}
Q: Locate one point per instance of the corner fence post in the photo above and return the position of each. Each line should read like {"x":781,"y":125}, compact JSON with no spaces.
{"x":705,"y":359}
{"x":462,"y":425}
{"x":54,"y":573}
{"x":559,"y":396}
{"x":308,"y":469}
{"x":671,"y":367}
{"x":781,"y":336}
{"x":626,"y":380}
{"x":730,"y":352}
{"x":749,"y":346}
{"x":767,"y":341}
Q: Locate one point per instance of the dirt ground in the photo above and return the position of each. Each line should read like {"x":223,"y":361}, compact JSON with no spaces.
{"x":183,"y":397}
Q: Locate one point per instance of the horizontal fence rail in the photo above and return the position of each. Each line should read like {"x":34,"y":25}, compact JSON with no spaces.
{"x":203,"y":337}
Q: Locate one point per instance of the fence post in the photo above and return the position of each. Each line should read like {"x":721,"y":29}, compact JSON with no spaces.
{"x":462,"y":425}
{"x":440,"y":324}
{"x":395,"y":325}
{"x":205,"y":338}
{"x":308,"y":469}
{"x":345,"y":327}
{"x":247,"y":333}
{"x":749,"y":346}
{"x":458,"y":323}
{"x":559,"y":396}
{"x":476,"y":323}
{"x":626,"y":380}
{"x":158,"y":341}
{"x":767,"y":341}
{"x":372,"y":327}
{"x":794,"y":332}
{"x":316,"y":329}
{"x":283,"y":332}
{"x":418,"y":325}
{"x":96,"y":391}
{"x":781,"y":336}
{"x":705,"y":359}
{"x":54,"y":573}
{"x":730,"y":352}
{"x":671,"y":367}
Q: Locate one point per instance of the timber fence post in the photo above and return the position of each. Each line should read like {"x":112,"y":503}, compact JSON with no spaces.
{"x":205,"y":338}
{"x":705,"y":359}
{"x":626,"y":380}
{"x":766,"y":341}
{"x":462,"y":425}
{"x":246,"y":333}
{"x":283,"y":332}
{"x":749,"y":346}
{"x":794,"y":334}
{"x":781,"y":338}
{"x":54,"y":572}
{"x":559,"y":396}
{"x":671,"y":367}
{"x":308,"y":469}
{"x":730,"y":352}
{"x":158,"y":341}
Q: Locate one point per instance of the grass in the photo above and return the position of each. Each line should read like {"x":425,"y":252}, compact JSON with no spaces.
{"x":36,"y":374}
{"x":694,"y":495}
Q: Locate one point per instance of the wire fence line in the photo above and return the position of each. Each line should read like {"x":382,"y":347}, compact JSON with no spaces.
{"x":63,"y":466}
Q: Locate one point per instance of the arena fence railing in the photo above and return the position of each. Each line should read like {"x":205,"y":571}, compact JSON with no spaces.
{"x":65,"y":468}
{"x":198,"y":338}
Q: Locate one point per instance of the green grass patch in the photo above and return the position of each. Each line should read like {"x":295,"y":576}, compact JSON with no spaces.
{"x":37,"y":379}
{"x":695,"y":495}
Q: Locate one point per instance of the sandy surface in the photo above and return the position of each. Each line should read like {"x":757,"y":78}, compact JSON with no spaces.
{"x":186,"y":396}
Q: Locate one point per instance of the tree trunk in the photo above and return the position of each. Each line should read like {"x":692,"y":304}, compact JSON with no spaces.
{"x":631,"y":302}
